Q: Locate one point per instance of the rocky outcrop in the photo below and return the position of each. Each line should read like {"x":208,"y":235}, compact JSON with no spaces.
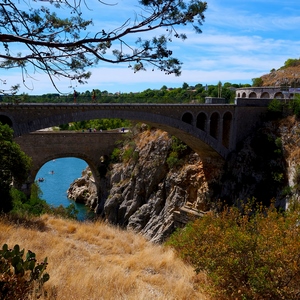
{"x":158,"y":185}
{"x":83,"y":190}
{"x":288,"y":76}
{"x":146,"y":191}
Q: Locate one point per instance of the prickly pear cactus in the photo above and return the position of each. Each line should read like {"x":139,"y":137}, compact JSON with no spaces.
{"x":20,"y":277}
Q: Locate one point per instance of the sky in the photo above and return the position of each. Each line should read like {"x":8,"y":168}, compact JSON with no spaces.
{"x":240,"y":40}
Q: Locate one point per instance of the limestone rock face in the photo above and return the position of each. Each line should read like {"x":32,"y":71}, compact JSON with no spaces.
{"x":83,"y":190}
{"x":149,"y":193}
{"x":145,"y":192}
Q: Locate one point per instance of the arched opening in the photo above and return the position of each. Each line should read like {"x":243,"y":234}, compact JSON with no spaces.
{"x":252,"y":95}
{"x":187,"y":118}
{"x":278,"y":95}
{"x":238,"y":95}
{"x":265,"y":95}
{"x":6,"y":120}
{"x":244,"y":95}
{"x":214,"y":125}
{"x":201,"y":121}
{"x":54,"y":179}
{"x":227,"y":120}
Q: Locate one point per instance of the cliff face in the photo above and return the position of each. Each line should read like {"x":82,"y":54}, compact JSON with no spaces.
{"x":148,"y":194}
{"x":143,"y":191}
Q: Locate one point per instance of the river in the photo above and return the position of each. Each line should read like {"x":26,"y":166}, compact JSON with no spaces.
{"x":58,"y":174}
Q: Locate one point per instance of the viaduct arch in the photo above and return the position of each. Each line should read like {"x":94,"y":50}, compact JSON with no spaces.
{"x":92,"y":147}
{"x":211,"y":130}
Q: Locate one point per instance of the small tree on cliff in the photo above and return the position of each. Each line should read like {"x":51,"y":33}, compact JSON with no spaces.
{"x":14,"y":166}
{"x":59,"y":47}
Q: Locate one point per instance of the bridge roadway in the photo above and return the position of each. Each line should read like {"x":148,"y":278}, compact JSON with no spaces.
{"x":211,"y":130}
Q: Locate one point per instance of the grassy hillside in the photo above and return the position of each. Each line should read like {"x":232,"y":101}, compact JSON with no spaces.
{"x":98,"y":261}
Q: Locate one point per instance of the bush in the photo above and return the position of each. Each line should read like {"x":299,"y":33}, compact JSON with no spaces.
{"x":178,"y":150}
{"x":246,"y":256}
{"x":21,"y":278}
{"x":275,"y":109}
{"x":35,"y":206}
{"x":294,"y":105}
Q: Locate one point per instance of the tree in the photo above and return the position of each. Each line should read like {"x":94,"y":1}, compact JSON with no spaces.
{"x":257,"y":82}
{"x":57,"y":45}
{"x":14,"y":166}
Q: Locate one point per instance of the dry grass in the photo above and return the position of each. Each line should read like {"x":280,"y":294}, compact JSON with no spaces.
{"x":98,"y":261}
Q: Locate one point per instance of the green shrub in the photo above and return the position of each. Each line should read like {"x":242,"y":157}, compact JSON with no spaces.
{"x":178,"y":150}
{"x":69,"y":212}
{"x":21,"y":278}
{"x":35,"y":206}
{"x":129,"y":151}
{"x":294,"y":105}
{"x":275,"y":109}
{"x":172,"y":159}
{"x":246,"y":256}
{"x":115,"y":156}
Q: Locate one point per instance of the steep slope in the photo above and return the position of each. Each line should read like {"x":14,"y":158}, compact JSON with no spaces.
{"x":289,"y":76}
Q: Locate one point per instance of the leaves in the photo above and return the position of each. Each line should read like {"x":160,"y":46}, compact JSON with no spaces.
{"x":60,"y":46}
{"x":250,"y":255}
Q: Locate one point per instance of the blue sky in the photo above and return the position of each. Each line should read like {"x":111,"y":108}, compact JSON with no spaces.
{"x":240,"y":40}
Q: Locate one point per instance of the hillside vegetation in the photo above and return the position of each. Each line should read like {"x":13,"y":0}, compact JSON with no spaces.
{"x":98,"y":261}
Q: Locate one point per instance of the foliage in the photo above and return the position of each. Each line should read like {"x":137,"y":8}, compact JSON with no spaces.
{"x":115,"y":155}
{"x":98,"y":124}
{"x":194,"y":94}
{"x":130,"y":152}
{"x":246,"y":255}
{"x":275,"y":108}
{"x":15,"y":166}
{"x":269,"y":163}
{"x":178,"y":148}
{"x":294,"y":105}
{"x":35,"y":206}
{"x":69,"y":212}
{"x":256,"y":82}
{"x":291,"y":63}
{"x":65,"y":46}
{"x":19,"y":277}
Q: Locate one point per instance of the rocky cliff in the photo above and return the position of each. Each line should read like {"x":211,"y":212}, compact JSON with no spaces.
{"x":284,"y":76}
{"x":158,"y":183}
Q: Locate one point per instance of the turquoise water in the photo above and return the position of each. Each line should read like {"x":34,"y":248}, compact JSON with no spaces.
{"x":58,"y":174}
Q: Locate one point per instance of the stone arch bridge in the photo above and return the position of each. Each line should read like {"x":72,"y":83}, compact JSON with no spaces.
{"x":211,"y":130}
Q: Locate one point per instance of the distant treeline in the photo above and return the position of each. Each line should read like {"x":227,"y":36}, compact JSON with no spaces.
{"x":184,"y":94}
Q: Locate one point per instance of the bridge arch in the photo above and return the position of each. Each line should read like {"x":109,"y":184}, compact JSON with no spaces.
{"x":40,"y":163}
{"x":278,"y":95}
{"x":4,"y":119}
{"x":214,"y":125}
{"x":244,"y":95}
{"x":176,"y":119}
{"x":188,"y":118}
{"x":227,"y":125}
{"x":252,"y":95}
{"x":201,"y":122}
{"x":265,"y":95}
